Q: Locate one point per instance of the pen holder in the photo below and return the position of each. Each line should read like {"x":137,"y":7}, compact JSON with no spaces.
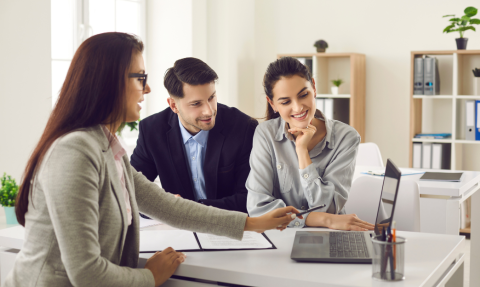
{"x":388,"y":259}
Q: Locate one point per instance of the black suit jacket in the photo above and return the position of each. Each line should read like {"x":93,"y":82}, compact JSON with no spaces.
{"x":160,"y":151}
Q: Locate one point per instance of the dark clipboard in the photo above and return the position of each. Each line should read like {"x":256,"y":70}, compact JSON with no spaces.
{"x":202,"y":250}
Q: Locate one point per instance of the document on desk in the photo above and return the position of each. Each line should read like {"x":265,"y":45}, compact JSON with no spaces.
{"x":251,"y":240}
{"x":182,"y":240}
{"x":158,"y":240}
{"x":143,"y":222}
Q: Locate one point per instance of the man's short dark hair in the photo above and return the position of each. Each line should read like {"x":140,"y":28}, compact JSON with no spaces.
{"x":190,"y":71}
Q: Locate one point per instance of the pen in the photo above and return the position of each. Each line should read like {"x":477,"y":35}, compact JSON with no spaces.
{"x":310,"y":210}
{"x":384,"y":258}
{"x":390,"y":255}
{"x":394,"y":237}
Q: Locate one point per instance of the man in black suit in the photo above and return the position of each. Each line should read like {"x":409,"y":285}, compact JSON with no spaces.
{"x":198,"y":148}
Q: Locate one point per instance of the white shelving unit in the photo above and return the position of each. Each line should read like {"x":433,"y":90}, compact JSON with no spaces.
{"x":445,"y":113}
{"x":349,"y":105}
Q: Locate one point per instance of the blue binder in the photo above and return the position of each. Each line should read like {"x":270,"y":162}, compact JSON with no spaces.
{"x":477,"y":120}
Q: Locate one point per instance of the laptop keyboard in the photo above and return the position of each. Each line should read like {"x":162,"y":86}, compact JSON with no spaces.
{"x":348,"y":244}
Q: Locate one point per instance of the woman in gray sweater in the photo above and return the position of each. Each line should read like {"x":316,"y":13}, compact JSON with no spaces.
{"x":79,"y":199}
{"x":300,"y":157}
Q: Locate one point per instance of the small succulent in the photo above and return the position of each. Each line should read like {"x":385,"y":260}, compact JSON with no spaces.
{"x":337,"y":83}
{"x":321,"y":45}
{"x":8,"y":190}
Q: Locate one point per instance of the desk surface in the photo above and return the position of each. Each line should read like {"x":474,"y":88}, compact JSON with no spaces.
{"x":469,"y":182}
{"x":427,"y":257}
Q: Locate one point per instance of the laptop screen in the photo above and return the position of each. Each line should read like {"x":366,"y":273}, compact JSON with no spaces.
{"x":391,"y":182}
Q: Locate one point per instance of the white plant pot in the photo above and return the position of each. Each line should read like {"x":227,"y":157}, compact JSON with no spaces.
{"x":334,"y":90}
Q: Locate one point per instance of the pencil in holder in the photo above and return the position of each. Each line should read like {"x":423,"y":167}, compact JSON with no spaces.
{"x":388,"y":262}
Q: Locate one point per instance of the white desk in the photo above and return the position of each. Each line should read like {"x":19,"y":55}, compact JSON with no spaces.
{"x":440,"y":209}
{"x":430,"y":260}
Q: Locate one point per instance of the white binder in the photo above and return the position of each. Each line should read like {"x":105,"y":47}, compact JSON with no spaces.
{"x":441,"y":154}
{"x":320,"y":104}
{"x":328,"y":108}
{"x":470,"y":120}
{"x":427,"y":155}
{"x":417,"y":155}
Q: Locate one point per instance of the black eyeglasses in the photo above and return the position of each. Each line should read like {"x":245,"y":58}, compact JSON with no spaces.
{"x":142,"y":76}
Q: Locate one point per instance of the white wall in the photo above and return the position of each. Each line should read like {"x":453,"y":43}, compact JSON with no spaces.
{"x":175,"y":29}
{"x":385,"y":31}
{"x":231,"y":50}
{"x":25,"y":80}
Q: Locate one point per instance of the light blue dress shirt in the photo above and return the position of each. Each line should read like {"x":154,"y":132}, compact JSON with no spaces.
{"x":195,"y":148}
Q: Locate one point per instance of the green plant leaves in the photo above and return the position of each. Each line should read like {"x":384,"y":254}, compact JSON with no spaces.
{"x":455,"y":20}
{"x":337,"y":83}
{"x":470,"y":11}
{"x":461,"y":29}
{"x":448,"y":28}
{"x":452,"y":15}
{"x":475,"y":21}
{"x":8,"y":190}
{"x":465,"y":18}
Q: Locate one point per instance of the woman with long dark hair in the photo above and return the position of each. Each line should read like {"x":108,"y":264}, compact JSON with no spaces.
{"x":299,"y":157}
{"x":79,"y":199}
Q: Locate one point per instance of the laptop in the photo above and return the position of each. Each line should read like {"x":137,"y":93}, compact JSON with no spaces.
{"x":346,"y":246}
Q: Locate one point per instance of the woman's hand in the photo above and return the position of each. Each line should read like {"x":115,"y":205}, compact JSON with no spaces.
{"x":303,"y":136}
{"x":163,"y":264}
{"x":278,"y":218}
{"x":348,"y":222}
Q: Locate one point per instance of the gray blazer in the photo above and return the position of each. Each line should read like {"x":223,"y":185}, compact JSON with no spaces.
{"x":76,"y":231}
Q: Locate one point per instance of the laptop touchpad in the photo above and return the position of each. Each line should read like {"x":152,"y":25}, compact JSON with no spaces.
{"x":311,"y":240}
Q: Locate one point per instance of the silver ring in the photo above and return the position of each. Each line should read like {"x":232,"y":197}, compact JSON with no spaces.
{"x":307,"y":127}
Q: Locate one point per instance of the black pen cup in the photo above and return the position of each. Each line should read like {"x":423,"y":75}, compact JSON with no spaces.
{"x":388,"y":260}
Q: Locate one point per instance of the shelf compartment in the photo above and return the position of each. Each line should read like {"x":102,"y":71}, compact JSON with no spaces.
{"x":466,"y":79}
{"x":436,"y":116}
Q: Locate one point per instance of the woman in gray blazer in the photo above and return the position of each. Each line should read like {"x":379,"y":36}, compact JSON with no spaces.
{"x":80,"y":198}
{"x":300,"y":157}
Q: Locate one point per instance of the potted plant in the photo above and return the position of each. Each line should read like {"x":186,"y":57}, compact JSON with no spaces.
{"x":336,"y":85}
{"x":8,"y":194}
{"x":461,"y":25}
{"x":321,"y":46}
{"x":131,"y":125}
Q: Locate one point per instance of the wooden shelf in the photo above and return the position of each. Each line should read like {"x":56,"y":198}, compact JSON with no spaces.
{"x":432,"y":97}
{"x":466,"y":97}
{"x":448,"y":52}
{"x":465,"y":230}
{"x":326,"y":55}
{"x":432,"y":140}
{"x":330,"y":96}
{"x":350,"y":67}
{"x":467,"y":142}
